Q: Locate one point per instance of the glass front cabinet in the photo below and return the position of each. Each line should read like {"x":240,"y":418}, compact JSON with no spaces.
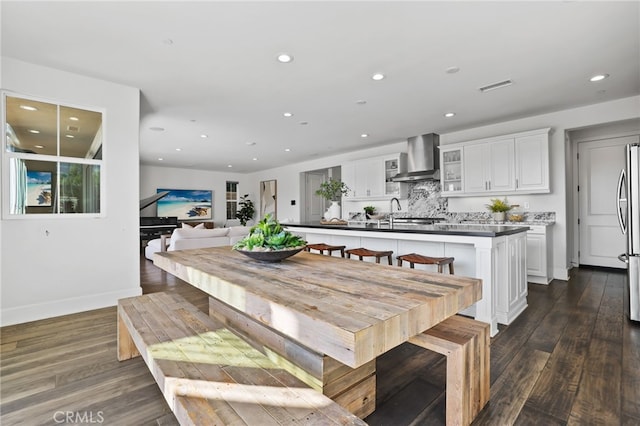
{"x":451,"y":170}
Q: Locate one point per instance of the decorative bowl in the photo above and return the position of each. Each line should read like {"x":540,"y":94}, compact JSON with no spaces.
{"x":377,"y":216}
{"x":270,"y":256}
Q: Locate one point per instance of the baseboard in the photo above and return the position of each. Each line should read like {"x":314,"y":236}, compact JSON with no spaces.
{"x":39,"y":311}
{"x":603,"y":268}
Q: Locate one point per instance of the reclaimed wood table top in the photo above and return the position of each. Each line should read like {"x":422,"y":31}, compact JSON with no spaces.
{"x":349,"y":310}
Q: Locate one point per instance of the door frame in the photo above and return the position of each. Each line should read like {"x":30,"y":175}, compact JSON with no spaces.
{"x":575,"y":202}
{"x":329,"y":172}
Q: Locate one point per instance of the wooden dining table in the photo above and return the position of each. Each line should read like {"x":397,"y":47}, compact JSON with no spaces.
{"x":326,"y":319}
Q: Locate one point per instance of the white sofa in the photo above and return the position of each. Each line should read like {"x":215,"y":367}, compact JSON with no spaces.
{"x":185,"y":238}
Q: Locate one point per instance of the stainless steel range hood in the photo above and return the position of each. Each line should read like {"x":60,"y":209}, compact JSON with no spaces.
{"x":423,"y":159}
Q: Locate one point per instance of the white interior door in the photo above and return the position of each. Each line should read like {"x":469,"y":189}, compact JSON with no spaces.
{"x":600,"y":162}
{"x":315,"y":206}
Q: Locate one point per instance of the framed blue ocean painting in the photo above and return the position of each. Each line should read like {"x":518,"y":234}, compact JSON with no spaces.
{"x":39,"y":189}
{"x":186,"y":204}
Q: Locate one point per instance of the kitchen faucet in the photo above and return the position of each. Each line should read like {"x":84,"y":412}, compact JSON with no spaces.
{"x":391,"y":210}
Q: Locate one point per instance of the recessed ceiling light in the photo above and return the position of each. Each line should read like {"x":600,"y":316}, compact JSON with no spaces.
{"x":74,"y":118}
{"x":160,"y":159}
{"x":254,"y":159}
{"x":28,"y":107}
{"x":361,"y":102}
{"x":250,"y":143}
{"x":452,"y":70}
{"x":285,"y":58}
{"x":598,"y":77}
{"x":38,"y":146}
{"x":167,"y":41}
{"x":69,"y":136}
{"x":364,"y":135}
{"x":450,"y":114}
{"x":378,"y":76}
{"x":157,"y":129}
{"x":304,"y":123}
{"x":287,"y":149}
{"x":178,"y":149}
{"x":229,"y":165}
{"x":34,"y":131}
{"x":288,"y":114}
{"x":203,"y":136}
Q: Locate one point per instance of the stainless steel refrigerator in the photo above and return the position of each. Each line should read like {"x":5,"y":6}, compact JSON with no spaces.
{"x":629,"y":218}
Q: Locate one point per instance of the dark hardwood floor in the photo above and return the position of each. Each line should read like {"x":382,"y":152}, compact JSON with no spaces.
{"x":570,"y":358}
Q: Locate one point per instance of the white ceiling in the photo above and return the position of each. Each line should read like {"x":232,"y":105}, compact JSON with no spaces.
{"x":210,"y":68}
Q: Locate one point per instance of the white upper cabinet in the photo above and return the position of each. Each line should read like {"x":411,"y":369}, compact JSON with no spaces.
{"x":370,"y":178}
{"x":489,"y":167}
{"x":508,"y":164}
{"x":451,"y":170}
{"x":532,"y":163}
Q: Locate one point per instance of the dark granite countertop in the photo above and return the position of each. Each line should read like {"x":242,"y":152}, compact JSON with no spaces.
{"x":470,"y":230}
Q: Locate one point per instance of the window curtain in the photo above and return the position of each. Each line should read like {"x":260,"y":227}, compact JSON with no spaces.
{"x":18,"y":181}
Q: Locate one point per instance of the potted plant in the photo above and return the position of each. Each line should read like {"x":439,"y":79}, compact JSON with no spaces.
{"x":332,"y":190}
{"x":246,"y":211}
{"x":498,"y":208}
{"x":369,"y":211}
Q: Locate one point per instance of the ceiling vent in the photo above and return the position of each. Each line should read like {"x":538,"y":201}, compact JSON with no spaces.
{"x":73,"y":128}
{"x":495,"y":86}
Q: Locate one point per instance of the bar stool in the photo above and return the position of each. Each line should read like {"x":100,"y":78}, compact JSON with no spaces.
{"x":363,"y":252}
{"x":321,"y":247}
{"x":414,"y":258}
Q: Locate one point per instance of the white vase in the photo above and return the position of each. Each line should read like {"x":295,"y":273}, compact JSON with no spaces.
{"x":499,"y":216}
{"x":333,"y":212}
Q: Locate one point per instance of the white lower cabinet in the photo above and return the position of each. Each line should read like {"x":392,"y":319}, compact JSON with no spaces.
{"x":538,"y":255}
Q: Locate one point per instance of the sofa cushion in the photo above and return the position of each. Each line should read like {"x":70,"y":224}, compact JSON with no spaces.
{"x":185,"y":233}
{"x":198,"y":226}
{"x":235,"y":231}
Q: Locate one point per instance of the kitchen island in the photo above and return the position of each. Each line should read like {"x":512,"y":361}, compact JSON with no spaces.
{"x":495,"y":254}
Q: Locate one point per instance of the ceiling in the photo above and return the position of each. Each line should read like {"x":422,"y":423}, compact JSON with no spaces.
{"x":210,"y":68}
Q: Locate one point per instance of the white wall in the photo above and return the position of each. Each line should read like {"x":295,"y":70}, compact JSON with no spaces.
{"x":154,"y":177}
{"x":289,"y":177}
{"x":560,"y":199}
{"x":81,"y":264}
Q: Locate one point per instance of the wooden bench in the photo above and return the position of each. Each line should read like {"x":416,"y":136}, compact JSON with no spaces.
{"x":465,"y":343}
{"x":209,"y":375}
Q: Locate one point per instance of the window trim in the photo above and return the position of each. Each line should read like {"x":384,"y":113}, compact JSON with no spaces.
{"x":7,"y":156}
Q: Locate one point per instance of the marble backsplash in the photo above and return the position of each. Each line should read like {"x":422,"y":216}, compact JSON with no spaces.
{"x":425,"y":201}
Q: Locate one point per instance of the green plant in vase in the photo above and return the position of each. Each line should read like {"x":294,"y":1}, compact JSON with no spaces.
{"x":247,"y":210}
{"x":332,"y":190}
{"x":369,"y":211}
{"x":498,"y":208}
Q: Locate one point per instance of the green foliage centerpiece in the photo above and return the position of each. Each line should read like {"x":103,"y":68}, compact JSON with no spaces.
{"x":498,"y":208}
{"x":269,"y":241}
